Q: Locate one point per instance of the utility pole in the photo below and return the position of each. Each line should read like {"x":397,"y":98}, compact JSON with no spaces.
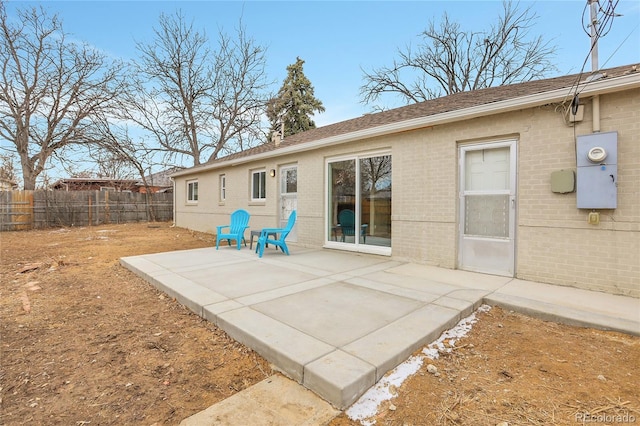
{"x":595,"y":103}
{"x":594,"y":34}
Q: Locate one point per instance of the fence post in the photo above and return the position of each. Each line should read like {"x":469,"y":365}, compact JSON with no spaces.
{"x":90,"y":211}
{"x":31,"y":210}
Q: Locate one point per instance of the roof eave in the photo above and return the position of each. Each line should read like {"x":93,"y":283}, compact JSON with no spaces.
{"x":631,"y":81}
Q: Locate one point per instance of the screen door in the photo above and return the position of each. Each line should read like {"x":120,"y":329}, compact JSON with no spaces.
{"x":487,"y":208}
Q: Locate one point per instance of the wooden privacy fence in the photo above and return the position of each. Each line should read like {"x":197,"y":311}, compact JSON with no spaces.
{"x":20,"y":210}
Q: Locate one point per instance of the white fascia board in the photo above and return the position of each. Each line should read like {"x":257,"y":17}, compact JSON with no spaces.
{"x":631,"y":81}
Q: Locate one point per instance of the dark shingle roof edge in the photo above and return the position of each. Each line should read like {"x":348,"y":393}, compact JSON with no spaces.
{"x":446,"y":109}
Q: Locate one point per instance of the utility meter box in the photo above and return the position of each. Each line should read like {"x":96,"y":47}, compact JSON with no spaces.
{"x":597,"y":171}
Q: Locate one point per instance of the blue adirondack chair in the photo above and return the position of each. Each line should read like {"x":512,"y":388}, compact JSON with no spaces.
{"x":280,"y":232}
{"x":239,"y":223}
{"x":347,"y":220}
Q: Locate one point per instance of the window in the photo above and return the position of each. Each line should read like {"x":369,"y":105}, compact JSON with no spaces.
{"x":192,"y":191}
{"x":289,"y":180}
{"x":258,"y":182}
{"x":223,"y":187}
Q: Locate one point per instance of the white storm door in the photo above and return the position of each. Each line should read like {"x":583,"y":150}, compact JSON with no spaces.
{"x":288,"y":197}
{"x":487,"y":208}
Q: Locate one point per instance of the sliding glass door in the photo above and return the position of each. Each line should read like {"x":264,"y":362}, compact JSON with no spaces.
{"x":359,"y":203}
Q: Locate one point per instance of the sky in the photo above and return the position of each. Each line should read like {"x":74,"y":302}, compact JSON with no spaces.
{"x":338,"y":39}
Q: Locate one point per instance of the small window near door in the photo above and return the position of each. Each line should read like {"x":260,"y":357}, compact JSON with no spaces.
{"x":223,"y":187}
{"x":258,"y":183}
{"x":289,"y":181}
{"x":192,"y":191}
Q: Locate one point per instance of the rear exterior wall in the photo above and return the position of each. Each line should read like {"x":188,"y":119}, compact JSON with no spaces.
{"x":554,"y":242}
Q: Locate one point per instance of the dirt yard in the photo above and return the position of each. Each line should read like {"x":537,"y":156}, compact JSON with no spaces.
{"x":85,"y":342}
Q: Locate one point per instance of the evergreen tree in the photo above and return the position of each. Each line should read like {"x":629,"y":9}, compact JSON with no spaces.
{"x":294,"y":104}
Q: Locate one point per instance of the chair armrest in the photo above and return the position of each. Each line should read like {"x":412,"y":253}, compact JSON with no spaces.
{"x":219,"y":228}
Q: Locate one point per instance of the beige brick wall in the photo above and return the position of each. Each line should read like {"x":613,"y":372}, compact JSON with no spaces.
{"x":554,"y":243}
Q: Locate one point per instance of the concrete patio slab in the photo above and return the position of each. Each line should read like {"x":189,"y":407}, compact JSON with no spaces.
{"x":286,"y":347}
{"x":569,"y":305}
{"x":339,"y":376}
{"x":323,"y":312}
{"x":248,"y":278}
{"x":336,"y":321}
{"x":388,"y":346}
{"x":451,"y":276}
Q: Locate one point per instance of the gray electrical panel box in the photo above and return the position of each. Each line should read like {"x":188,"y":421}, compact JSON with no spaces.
{"x":597,"y":171}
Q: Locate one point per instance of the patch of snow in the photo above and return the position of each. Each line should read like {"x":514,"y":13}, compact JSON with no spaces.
{"x":365,"y":408}
{"x":432,"y":351}
{"x":367,"y":405}
{"x":60,"y":231}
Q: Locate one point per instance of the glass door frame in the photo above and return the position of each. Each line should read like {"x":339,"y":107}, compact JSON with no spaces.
{"x":288,"y":201}
{"x":329,"y":241}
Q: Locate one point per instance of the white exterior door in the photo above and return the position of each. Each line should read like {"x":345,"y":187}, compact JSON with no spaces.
{"x":288,"y":197}
{"x":487,"y":208}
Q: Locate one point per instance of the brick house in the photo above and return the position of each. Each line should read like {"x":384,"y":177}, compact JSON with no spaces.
{"x":526,"y":180}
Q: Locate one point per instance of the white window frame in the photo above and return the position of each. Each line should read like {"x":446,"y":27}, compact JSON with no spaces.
{"x":362,"y":248}
{"x":262,"y":189}
{"x":190,"y":184}
{"x":223,"y":187}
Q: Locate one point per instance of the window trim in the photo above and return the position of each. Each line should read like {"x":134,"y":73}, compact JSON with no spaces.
{"x":262,"y":190}
{"x":189,"y":196}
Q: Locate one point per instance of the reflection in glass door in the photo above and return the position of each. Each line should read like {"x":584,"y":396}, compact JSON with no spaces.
{"x":342,"y":196}
{"x":375,"y":200}
{"x":359,"y":202}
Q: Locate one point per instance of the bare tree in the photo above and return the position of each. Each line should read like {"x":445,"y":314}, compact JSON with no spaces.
{"x":111,"y":165}
{"x":196,"y":102}
{"x":7,"y":168}
{"x":451,"y":60}
{"x":126,"y":153}
{"x":49,"y":88}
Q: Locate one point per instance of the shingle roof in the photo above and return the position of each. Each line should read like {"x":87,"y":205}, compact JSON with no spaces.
{"x":457,"y":101}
